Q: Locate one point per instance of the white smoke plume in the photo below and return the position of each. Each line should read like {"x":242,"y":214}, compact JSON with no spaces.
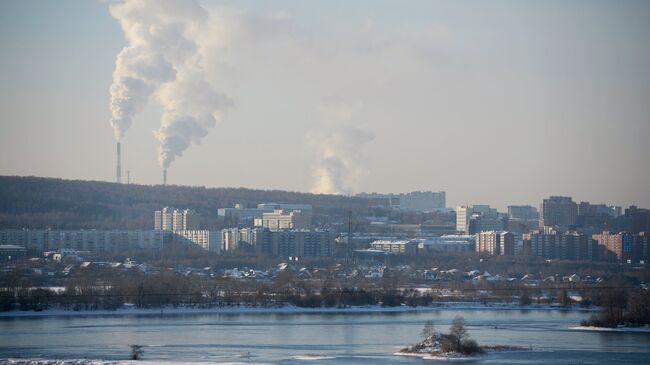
{"x":164,"y":57}
{"x":190,"y":108}
{"x":340,"y":163}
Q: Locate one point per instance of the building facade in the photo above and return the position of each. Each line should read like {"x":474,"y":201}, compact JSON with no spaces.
{"x":495,"y":243}
{"x":560,"y":246}
{"x":616,"y":246}
{"x":463,"y":215}
{"x":280,"y":219}
{"x":170,"y":219}
{"x":42,"y":240}
{"x":404,"y":247}
{"x":558,"y":211}
{"x":281,"y":243}
{"x":207,"y":240}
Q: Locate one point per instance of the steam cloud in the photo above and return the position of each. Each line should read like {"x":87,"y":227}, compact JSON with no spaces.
{"x":164,"y":58}
{"x":340,"y":166}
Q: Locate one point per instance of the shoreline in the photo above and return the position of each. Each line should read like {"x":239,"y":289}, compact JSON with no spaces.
{"x":623,"y":329}
{"x":125,"y":311}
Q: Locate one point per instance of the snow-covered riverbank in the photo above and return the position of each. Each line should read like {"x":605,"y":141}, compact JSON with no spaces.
{"x":644,"y":329}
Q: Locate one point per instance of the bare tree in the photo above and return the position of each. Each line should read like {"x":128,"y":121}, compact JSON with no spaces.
{"x":429,"y":329}
{"x":458,"y":332}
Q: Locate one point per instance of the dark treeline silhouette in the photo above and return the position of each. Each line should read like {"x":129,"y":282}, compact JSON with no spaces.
{"x":621,"y":307}
{"x":35,"y":202}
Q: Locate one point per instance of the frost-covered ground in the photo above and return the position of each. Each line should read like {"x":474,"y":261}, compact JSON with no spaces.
{"x":288,"y":309}
{"x":644,"y":329}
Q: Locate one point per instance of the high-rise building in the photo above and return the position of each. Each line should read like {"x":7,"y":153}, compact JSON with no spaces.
{"x":523,"y":212}
{"x":170,"y":219}
{"x":636,"y":219}
{"x":558,"y":211}
{"x":496,"y":243}
{"x":463,"y":215}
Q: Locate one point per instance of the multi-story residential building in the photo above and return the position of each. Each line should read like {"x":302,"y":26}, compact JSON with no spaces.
{"x":405,"y":247}
{"x":207,"y":240}
{"x":560,"y":246}
{"x":641,"y":248}
{"x":283,"y":243}
{"x":558,"y":211}
{"x":615,"y":246}
{"x":231,"y":238}
{"x":636,"y":219}
{"x":280,"y":219}
{"x":496,"y":243}
{"x":463,"y":215}
{"x":170,"y":219}
{"x":41,"y":240}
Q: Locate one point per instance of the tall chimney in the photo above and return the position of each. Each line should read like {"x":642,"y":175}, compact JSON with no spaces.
{"x":118,"y":174}
{"x":128,"y":176}
{"x":164,"y":176}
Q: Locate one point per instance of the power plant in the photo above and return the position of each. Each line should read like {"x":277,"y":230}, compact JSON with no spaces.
{"x":118,"y":174}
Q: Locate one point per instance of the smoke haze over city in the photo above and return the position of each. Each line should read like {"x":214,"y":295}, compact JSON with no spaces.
{"x":500,"y":103}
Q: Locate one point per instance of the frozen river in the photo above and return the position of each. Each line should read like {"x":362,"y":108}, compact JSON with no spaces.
{"x":324,"y":338}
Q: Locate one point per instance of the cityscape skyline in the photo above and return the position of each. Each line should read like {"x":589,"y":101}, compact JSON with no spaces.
{"x":552,"y":128}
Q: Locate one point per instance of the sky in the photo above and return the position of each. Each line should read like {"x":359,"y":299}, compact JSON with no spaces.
{"x":500,"y":103}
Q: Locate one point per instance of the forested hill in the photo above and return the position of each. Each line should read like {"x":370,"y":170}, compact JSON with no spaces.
{"x":35,"y":202}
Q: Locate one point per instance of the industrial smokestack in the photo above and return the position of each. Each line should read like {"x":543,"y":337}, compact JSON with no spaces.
{"x":128,"y":176}
{"x":164,"y":176}
{"x":118,"y":174}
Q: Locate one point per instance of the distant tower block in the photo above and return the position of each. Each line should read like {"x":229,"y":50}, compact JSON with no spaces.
{"x":118,"y":174}
{"x":164,"y":176}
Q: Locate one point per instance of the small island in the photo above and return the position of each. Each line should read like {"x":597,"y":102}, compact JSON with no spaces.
{"x":621,"y":310}
{"x":453,"y":345}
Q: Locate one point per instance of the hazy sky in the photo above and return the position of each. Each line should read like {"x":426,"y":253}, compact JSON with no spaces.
{"x":494,"y":102}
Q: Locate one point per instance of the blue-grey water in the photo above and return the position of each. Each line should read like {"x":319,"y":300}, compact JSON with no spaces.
{"x":329,"y":338}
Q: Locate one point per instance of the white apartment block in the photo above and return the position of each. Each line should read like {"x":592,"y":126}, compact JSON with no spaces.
{"x":169,"y":219}
{"x":207,"y":240}
{"x":280,"y":219}
{"x":42,"y":240}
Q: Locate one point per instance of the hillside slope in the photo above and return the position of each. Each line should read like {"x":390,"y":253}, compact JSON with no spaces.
{"x":35,"y":202}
